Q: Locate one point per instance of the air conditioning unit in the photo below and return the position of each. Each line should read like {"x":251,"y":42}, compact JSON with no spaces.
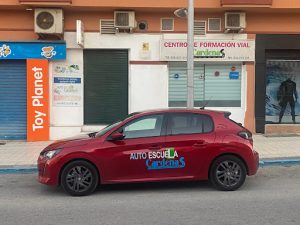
{"x":235,"y":20}
{"x":48,"y":21}
{"x":124,"y":19}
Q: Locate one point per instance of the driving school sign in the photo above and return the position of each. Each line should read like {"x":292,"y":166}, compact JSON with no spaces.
{"x":208,"y":50}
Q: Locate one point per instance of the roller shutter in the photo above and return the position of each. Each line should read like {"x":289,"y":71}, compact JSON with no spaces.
{"x":13,"y":114}
{"x":105,"y":86}
{"x":213,"y":86}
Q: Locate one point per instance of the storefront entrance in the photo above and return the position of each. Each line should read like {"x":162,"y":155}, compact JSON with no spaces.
{"x":13,"y":112}
{"x":215,"y":85}
{"x":105,"y":86}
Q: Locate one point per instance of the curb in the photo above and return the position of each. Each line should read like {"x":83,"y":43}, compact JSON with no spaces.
{"x":279,"y":162}
{"x":16,"y":170}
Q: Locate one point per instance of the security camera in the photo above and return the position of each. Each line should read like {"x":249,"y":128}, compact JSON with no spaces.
{"x":183,"y":12}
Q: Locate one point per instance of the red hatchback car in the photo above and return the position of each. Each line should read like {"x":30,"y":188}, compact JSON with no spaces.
{"x":160,"y":145}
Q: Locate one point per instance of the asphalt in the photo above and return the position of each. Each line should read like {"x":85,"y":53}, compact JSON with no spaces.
{"x":21,"y":157}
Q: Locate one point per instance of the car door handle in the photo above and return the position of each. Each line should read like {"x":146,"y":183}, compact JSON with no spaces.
{"x":155,"y":147}
{"x":200,"y":144}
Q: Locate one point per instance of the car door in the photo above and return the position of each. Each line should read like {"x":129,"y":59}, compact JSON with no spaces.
{"x":191,"y":136}
{"x":126,"y":160}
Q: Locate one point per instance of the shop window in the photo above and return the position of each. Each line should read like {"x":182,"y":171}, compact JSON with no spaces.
{"x":282,"y":91}
{"x":215,"y":85}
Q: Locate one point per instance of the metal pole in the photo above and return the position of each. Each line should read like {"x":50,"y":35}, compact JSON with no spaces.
{"x":190,"y":55}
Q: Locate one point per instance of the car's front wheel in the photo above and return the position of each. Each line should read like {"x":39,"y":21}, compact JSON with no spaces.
{"x":228,"y":173}
{"x":79,"y":178}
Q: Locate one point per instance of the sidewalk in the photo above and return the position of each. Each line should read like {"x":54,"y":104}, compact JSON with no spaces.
{"x":25,"y":154}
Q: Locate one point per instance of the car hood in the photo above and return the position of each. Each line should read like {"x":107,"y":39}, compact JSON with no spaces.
{"x":79,"y":140}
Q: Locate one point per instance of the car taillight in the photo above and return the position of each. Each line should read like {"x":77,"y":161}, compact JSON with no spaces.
{"x":246,"y":135}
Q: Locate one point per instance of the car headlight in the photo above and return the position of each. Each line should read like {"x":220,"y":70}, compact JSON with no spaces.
{"x":52,"y":153}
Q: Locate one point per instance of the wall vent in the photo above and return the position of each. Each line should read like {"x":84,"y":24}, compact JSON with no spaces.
{"x":199,"y":27}
{"x":107,"y":26}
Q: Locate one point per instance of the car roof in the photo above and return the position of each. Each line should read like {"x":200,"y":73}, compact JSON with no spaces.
{"x":176,"y":110}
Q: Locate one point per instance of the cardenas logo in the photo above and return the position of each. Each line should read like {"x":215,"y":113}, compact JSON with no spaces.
{"x":165,"y":164}
{"x":209,"y":53}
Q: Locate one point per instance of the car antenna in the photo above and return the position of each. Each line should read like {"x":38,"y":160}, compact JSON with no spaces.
{"x":205,"y":104}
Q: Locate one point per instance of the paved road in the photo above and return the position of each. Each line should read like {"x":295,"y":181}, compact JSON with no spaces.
{"x":271,"y":197}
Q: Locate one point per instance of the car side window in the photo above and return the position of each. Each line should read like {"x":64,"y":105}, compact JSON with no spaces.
{"x":146,"y":126}
{"x":189,"y":123}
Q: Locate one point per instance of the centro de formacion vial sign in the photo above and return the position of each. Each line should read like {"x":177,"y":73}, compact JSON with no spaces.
{"x":33,"y":50}
{"x":208,"y":50}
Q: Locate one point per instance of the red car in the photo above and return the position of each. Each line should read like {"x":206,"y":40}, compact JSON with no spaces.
{"x":160,"y":145}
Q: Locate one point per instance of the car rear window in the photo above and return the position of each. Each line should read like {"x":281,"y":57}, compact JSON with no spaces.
{"x":189,"y":123}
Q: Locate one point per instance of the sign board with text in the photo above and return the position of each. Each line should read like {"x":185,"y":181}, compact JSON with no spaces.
{"x":209,"y":50}
{"x":37,"y":100}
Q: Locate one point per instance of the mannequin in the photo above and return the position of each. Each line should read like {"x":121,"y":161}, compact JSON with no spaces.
{"x":287,"y":93}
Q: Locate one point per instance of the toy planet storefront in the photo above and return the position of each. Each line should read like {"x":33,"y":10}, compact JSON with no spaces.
{"x":219,"y":73}
{"x":24,"y":88}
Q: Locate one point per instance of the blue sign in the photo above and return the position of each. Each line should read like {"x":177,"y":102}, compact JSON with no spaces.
{"x":165,"y":164}
{"x":33,"y":50}
{"x":67,"y":80}
{"x":234,"y":75}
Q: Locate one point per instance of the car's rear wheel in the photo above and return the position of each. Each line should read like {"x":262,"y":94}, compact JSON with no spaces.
{"x":228,"y":173}
{"x":79,"y":178}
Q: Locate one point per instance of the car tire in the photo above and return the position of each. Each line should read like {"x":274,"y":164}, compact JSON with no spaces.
{"x":79,"y":178}
{"x":228,"y":173}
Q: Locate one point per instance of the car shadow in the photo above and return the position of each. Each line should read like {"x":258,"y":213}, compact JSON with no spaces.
{"x":152,"y":187}
{"x":155,"y":187}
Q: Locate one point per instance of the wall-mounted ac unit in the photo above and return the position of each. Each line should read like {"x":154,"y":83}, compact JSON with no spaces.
{"x":48,"y":21}
{"x":124,"y":19}
{"x":235,"y":20}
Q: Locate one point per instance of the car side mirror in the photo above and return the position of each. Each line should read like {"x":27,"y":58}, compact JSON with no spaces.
{"x":115,"y":136}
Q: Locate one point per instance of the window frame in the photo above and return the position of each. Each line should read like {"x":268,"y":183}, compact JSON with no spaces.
{"x":161,"y":24}
{"x":220,"y":22}
{"x":169,"y":130}
{"x":162,"y":129}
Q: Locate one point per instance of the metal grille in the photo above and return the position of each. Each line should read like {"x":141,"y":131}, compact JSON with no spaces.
{"x":13,"y":89}
{"x":199,"y":27}
{"x":233,"y":20}
{"x":107,"y":26}
{"x":122,"y":19}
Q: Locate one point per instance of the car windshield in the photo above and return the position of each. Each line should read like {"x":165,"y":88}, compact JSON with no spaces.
{"x":106,"y":129}
{"x":109,"y":127}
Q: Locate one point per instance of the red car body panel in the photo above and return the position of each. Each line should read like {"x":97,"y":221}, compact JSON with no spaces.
{"x":127,"y":160}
